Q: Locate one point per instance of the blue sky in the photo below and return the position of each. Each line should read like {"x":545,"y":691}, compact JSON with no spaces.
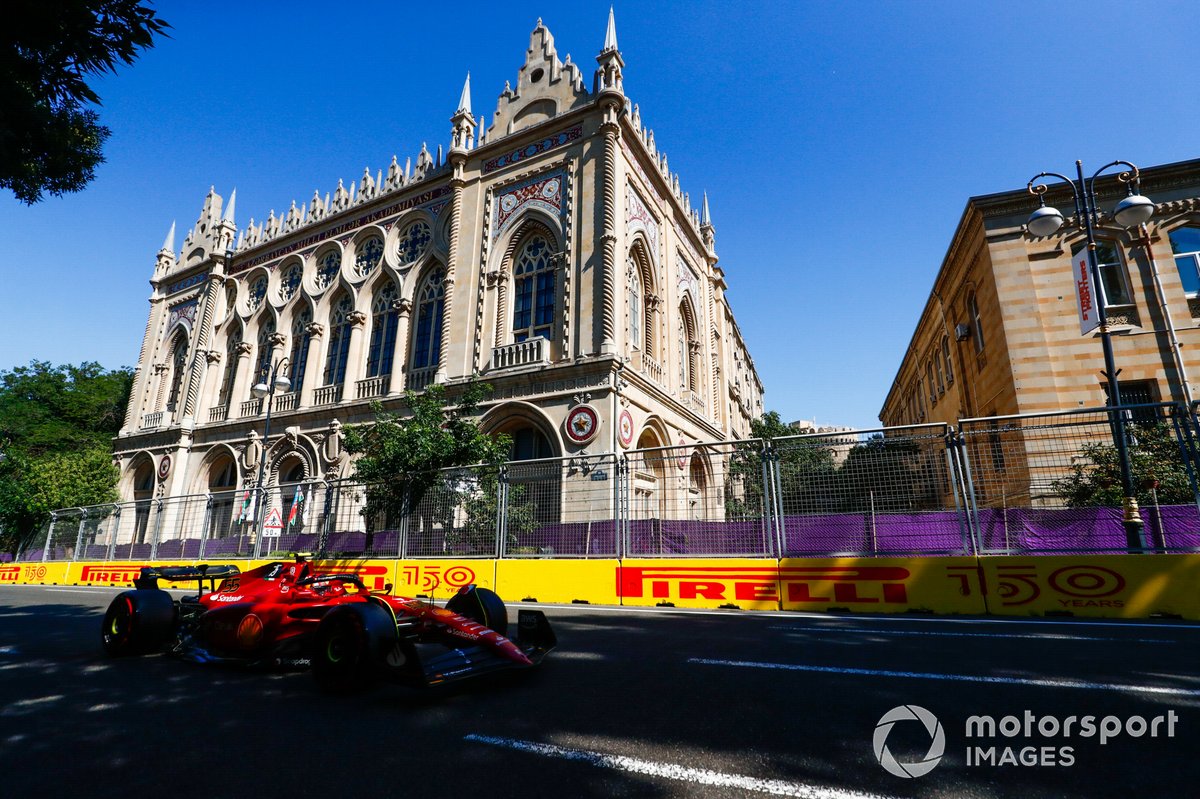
{"x":838,"y":144}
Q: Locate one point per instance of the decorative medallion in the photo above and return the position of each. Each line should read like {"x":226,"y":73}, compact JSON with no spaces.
{"x":183,"y":312}
{"x":638,"y":217}
{"x":164,"y":467}
{"x":682,"y":459}
{"x":625,"y":428}
{"x":544,"y":191}
{"x":582,"y":424}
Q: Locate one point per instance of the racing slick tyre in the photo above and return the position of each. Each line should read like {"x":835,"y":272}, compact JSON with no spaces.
{"x":138,"y":622}
{"x":482,"y":606}
{"x":351,"y":646}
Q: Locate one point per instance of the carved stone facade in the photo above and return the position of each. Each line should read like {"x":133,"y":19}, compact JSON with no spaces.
{"x":507,"y":259}
{"x":1000,"y":332}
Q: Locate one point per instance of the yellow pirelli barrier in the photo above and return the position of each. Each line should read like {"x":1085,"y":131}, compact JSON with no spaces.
{"x":441,"y":578}
{"x":542,"y":580}
{"x":1116,"y":586}
{"x":882,"y":585}
{"x":34,"y":573}
{"x":748,"y":584}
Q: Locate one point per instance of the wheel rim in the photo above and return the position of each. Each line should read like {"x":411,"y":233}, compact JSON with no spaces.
{"x":118,"y":628}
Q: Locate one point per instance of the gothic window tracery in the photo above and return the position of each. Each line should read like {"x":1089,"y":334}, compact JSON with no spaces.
{"x":385,"y":317}
{"x":414,"y":241}
{"x":289,"y":283}
{"x":368,"y":256}
{"x":339,"y":341}
{"x":231,"y":360}
{"x":256,"y":294}
{"x":262,"y":370}
{"x":178,"y":366}
{"x":327,"y":269}
{"x":427,"y":337}
{"x":633,"y":279}
{"x":535,"y":292}
{"x":689,"y":349}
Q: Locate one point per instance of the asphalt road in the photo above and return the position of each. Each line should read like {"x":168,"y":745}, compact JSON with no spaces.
{"x":632,"y":704}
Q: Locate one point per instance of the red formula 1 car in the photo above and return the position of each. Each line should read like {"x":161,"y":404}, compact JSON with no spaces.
{"x":288,"y":615}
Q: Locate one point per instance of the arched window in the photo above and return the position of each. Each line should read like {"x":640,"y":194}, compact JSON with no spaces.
{"x":535,"y":292}
{"x":1185,"y":245}
{"x":222,"y":484}
{"x":633,"y":281}
{"x":368,"y":255}
{"x":384,"y":318}
{"x":231,"y":359}
{"x":301,"y":341}
{"x":262,"y":361}
{"x":946,"y":359}
{"x":178,"y":367}
{"x":689,"y":349}
{"x":143,"y":491}
{"x":427,"y":337}
{"x":529,"y":443}
{"x":976,"y":321}
{"x":339,"y":341}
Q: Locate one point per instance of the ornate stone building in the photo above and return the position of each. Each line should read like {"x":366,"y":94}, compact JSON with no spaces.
{"x":551,"y":252}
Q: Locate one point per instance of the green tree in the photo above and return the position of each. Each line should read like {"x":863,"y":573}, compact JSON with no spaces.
{"x":402,"y":457}
{"x":889,"y":475}
{"x":56,"y":427}
{"x":49,"y":139}
{"x":1154,"y":459}
{"x":805,"y":466}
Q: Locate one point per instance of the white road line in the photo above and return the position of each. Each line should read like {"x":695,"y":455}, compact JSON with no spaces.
{"x":924,"y":675}
{"x":70,"y":590}
{"x":672,"y":771}
{"x":1034,"y":636}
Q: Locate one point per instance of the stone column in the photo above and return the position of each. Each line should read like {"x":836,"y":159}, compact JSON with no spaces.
{"x":203,"y":332}
{"x":161,"y":378}
{"x":354,"y":360}
{"x":211,"y":383}
{"x":240,"y":390}
{"x":400,"y":353}
{"x":139,"y":392}
{"x":457,"y":158}
{"x":312,"y":367}
{"x":499,"y":281}
{"x":611,"y":130}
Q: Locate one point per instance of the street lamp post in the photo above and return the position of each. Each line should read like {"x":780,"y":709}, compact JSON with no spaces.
{"x":1131,"y":211}
{"x":266,"y":390}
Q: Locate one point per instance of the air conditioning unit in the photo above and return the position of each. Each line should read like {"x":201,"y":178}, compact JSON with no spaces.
{"x":962,"y":332}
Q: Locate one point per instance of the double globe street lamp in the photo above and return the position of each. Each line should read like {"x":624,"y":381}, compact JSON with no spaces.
{"x":266,"y":390}
{"x":1133,"y":210}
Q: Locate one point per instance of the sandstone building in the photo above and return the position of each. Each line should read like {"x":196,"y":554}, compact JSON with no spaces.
{"x":551,"y":251}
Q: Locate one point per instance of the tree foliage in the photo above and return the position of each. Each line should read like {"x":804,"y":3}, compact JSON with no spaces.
{"x":1155,"y":462}
{"x":803,"y":469}
{"x":56,"y":427}
{"x":402,"y":457}
{"x":50,"y":141}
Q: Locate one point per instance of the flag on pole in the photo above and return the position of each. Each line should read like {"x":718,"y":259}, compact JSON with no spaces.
{"x":245,"y":513}
{"x":297,"y":504}
{"x":305,"y":514}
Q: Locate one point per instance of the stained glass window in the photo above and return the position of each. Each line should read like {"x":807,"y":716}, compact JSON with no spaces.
{"x":427,"y":340}
{"x":339,"y":342}
{"x":289,"y":283}
{"x":370,"y":252}
{"x":414,"y":241}
{"x":384,"y":319}
{"x":258,"y":290}
{"x":327,"y":268}
{"x":301,"y":340}
{"x":536,"y":289}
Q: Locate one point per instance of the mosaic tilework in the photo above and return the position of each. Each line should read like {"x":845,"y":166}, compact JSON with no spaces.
{"x":186,"y":283}
{"x":637,"y":217}
{"x":541,"y":191}
{"x":184,"y":311}
{"x":533,"y":148}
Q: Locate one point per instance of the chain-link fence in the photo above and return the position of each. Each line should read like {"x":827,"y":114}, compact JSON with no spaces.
{"x":1036,"y":483}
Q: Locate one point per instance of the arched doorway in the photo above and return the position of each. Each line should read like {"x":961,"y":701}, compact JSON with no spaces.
{"x":222,"y":486}
{"x":143,"y":493}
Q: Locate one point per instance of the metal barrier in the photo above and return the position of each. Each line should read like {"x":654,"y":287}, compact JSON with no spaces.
{"x":1035,"y":483}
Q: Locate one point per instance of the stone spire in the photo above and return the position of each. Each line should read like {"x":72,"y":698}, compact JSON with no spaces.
{"x":166,"y":255}
{"x":228,"y":215}
{"x":227,"y":230}
{"x":608,"y":74}
{"x":463,"y":132}
{"x":706,"y":226}
{"x":610,"y":36}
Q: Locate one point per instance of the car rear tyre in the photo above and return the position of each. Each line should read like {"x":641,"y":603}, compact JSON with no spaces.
{"x":482,"y":606}
{"x":351,"y":646}
{"x":138,"y":622}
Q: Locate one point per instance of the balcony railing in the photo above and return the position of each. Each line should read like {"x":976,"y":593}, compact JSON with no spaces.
{"x":287,"y":402}
{"x":251,"y":407}
{"x":327,"y":395}
{"x":218,"y":414}
{"x":419,"y":379}
{"x":152,"y":420}
{"x":653,"y":370}
{"x":371,"y":387}
{"x":523,"y":353}
{"x":695,"y":401}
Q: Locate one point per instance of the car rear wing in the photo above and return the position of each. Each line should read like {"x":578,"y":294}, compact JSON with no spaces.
{"x":150,"y":575}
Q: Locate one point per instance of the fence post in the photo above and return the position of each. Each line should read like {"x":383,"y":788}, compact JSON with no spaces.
{"x":951,"y":442}
{"x":1187,"y":450}
{"x":49,"y":536}
{"x":502,"y":512}
{"x":79,"y":535}
{"x":776,"y":495}
{"x":158,"y":520}
{"x":768,"y":508}
{"x":112,"y":533}
{"x":323,"y":539}
{"x":969,"y":496}
{"x":405,"y":515}
{"x":208,"y":506}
